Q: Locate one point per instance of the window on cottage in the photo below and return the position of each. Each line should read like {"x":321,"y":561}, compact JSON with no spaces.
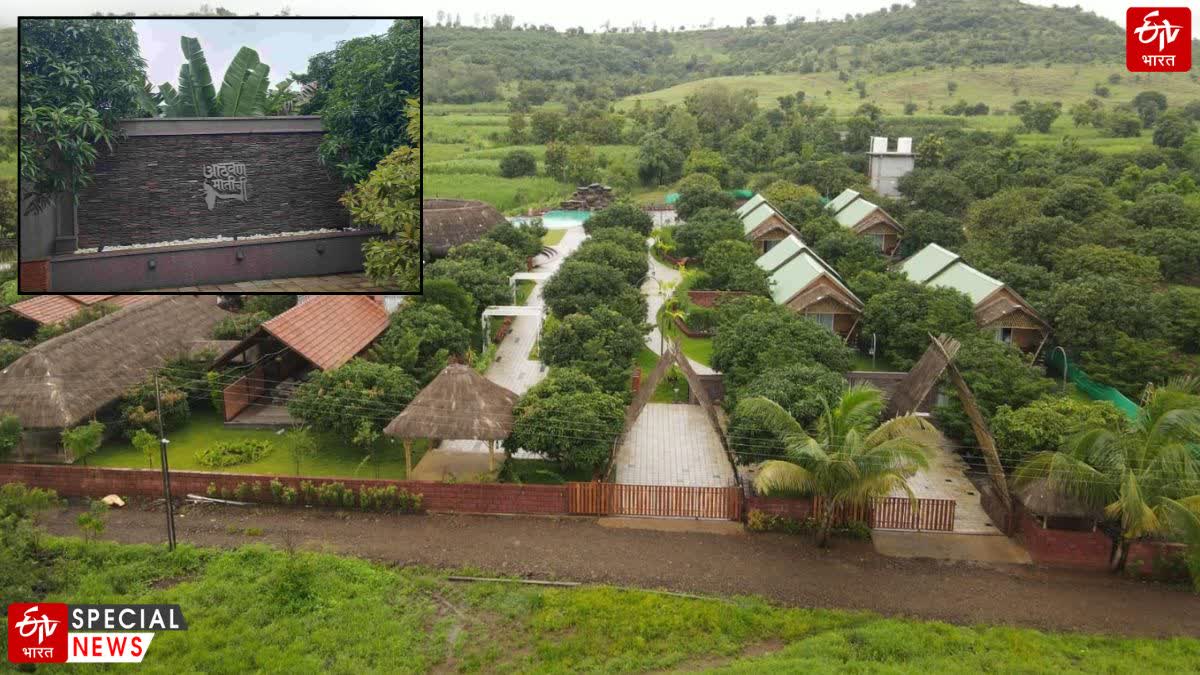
{"x":823,"y":319}
{"x":1004,"y":335}
{"x":769,"y":244}
{"x":880,"y":241}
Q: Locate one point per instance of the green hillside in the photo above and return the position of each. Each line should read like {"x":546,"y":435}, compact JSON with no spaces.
{"x":8,"y":67}
{"x":465,"y":65}
{"x":998,"y":86}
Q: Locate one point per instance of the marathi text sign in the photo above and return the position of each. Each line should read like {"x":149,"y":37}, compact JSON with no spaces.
{"x":224,"y":180}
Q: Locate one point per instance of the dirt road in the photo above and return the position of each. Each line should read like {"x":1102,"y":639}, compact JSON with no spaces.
{"x":786,"y":569}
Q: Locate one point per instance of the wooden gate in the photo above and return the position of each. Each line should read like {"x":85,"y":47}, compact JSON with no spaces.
{"x":664,"y":501}
{"x":898,"y":513}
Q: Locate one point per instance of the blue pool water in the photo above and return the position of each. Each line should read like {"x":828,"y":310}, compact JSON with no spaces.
{"x":558,"y":220}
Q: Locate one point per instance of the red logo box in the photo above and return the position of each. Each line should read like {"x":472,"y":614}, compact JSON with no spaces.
{"x":1158,"y":39}
{"x":37,"y":632}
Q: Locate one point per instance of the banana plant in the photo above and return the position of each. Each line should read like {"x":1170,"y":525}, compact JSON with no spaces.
{"x":243,"y":90}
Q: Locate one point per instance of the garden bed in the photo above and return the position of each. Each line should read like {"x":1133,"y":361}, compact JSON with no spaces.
{"x":333,"y":456}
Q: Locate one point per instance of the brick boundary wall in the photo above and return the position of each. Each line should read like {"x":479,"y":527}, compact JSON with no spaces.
{"x":80,"y":481}
{"x":1157,"y":560}
{"x":1063,"y":548}
{"x":798,"y":509}
{"x":34,"y":276}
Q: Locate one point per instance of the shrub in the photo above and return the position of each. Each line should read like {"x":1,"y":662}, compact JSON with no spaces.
{"x":288,"y":496}
{"x":242,"y":492}
{"x":620,"y":214}
{"x":700,"y":319}
{"x":374,"y":391}
{"x":276,"y":490}
{"x":138,"y":409}
{"x":83,"y":440}
{"x":212,"y":490}
{"x":518,"y":163}
{"x":1043,"y":425}
{"x":10,"y":434}
{"x":308,"y":492}
{"x":230,"y":453}
{"x":9,"y":352}
{"x":273,"y":304}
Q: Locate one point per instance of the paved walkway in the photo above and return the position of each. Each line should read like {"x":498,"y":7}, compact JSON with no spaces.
{"x":655,"y":294}
{"x":673,"y":444}
{"x":512,"y":369}
{"x":946,"y":478}
{"x":354,"y":282}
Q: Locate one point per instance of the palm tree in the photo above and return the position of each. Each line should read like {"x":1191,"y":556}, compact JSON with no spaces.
{"x":1145,"y":476}
{"x":848,"y":460}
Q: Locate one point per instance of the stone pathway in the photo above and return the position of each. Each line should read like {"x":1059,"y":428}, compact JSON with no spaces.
{"x":655,"y":294}
{"x":511,"y":369}
{"x":673,"y":444}
{"x":946,"y":478}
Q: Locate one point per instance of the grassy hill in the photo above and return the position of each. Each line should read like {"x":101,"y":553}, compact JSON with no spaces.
{"x":8,"y":66}
{"x":998,"y":86}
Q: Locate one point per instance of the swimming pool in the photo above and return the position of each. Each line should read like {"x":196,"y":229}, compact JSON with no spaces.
{"x":557,"y":220}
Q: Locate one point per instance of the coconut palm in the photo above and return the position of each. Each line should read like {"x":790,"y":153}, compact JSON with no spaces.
{"x":1146,"y":476}
{"x":849,"y":460}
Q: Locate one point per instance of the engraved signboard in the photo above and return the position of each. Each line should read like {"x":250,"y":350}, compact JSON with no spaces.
{"x":224,"y":180}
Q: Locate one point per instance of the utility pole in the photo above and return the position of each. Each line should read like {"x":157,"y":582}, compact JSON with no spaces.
{"x":166,"y":475}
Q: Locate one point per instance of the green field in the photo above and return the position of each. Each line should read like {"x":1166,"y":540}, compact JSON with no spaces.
{"x":258,"y":609}
{"x":334,"y":457}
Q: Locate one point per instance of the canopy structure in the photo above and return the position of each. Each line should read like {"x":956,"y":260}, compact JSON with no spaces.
{"x":535,"y":277}
{"x":458,"y":404}
{"x":510,"y":310}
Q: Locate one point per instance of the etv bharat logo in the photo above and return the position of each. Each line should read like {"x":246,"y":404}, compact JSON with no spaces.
{"x":51,"y":632}
{"x":1158,"y":39}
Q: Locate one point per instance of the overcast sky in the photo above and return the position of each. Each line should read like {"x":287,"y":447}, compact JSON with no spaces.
{"x":561,"y":14}
{"x":282,"y":44}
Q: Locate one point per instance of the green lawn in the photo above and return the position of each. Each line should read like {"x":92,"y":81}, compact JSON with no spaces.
{"x":524,"y":288}
{"x":670,"y":389}
{"x":333,"y":457}
{"x":863,"y":362}
{"x":552,"y":237}
{"x":698,"y":349}
{"x":541,"y":471}
{"x":258,"y":609}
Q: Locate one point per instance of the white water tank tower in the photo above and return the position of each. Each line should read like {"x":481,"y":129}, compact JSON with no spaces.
{"x":888,"y":164}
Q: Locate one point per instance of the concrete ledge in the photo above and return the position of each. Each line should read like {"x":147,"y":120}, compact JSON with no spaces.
{"x":212,"y":263}
{"x":194,"y":126}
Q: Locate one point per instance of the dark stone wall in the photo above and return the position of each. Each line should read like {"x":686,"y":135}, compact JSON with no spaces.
{"x":150,"y":189}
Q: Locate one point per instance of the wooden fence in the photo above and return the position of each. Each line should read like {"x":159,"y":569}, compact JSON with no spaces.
{"x":898,"y":513}
{"x":665,"y":501}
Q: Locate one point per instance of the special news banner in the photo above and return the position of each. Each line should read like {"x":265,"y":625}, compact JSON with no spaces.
{"x":51,"y":632}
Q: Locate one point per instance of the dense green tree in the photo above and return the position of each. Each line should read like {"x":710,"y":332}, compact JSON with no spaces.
{"x":729,"y":266}
{"x":1045,"y":424}
{"x":693,"y":201}
{"x":1130,"y":363}
{"x":1093,"y":259}
{"x":1149,"y":105}
{"x":620,"y":214}
{"x":580,"y":287}
{"x":574,"y":430}
{"x":849,"y":253}
{"x":1165,"y":209}
{"x":485,"y":283}
{"x":936,"y":190}
{"x":544,"y":125}
{"x":1122,"y":124}
{"x":708,"y":162}
{"x":1087,"y":311}
{"x":524,"y":240}
{"x":366,"y":98}
{"x":621,"y":236}
{"x":997,"y":375}
{"x":491,"y":253}
{"x":439,"y":335}
{"x":761,"y":340}
{"x":659,"y":162}
{"x":803,"y":390}
{"x":1178,"y":251}
{"x":1039,"y":116}
{"x":905,"y":314}
{"x":518,"y":163}
{"x":632,"y":264}
{"x":448,"y":294}
{"x":359,"y":392}
{"x":1172,"y":129}
{"x":78,"y":77}
{"x":601,"y":344}
{"x":698,"y":234}
{"x":922,"y":228}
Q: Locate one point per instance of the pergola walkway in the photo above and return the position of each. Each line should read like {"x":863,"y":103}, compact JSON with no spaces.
{"x":673,"y":444}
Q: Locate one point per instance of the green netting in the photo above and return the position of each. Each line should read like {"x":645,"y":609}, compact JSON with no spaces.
{"x":671,"y":197}
{"x":1092,"y":389}
{"x":742,"y":194}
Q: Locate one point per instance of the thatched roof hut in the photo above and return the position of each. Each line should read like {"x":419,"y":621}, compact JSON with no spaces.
{"x":458,"y":404}
{"x":67,"y":379}
{"x":446,"y":223}
{"x":1040,"y":498}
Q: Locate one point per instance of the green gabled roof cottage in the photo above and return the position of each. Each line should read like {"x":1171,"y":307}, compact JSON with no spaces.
{"x":852,"y":211}
{"x":803,"y":282}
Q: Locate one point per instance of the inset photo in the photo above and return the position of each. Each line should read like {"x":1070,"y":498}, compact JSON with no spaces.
{"x":203,"y":154}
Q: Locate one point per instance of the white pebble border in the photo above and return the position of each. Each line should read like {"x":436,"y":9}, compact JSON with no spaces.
{"x":210,"y":240}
